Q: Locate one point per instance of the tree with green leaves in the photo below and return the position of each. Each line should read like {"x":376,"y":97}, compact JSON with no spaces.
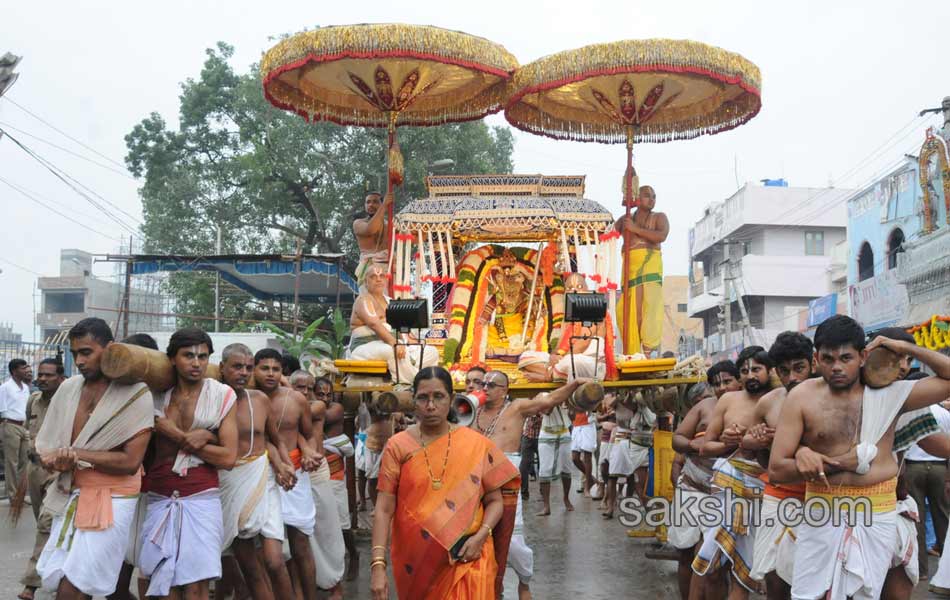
{"x":268,"y":180}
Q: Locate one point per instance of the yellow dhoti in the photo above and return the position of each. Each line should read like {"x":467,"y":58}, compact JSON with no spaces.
{"x":642,"y":326}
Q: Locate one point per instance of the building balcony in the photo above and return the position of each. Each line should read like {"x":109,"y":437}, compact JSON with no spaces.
{"x":61,"y":283}
{"x":779,"y":276}
{"x":59,"y":320}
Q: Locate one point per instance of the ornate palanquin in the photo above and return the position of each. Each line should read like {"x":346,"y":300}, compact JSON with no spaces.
{"x":534,"y":210}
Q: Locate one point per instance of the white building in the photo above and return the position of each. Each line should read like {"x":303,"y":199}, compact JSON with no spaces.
{"x":76,"y":294}
{"x":780,"y":240}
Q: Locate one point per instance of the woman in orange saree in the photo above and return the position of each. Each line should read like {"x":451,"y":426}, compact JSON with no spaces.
{"x":440,"y":488}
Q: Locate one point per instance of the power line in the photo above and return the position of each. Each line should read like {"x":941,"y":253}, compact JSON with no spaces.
{"x":68,"y":151}
{"x":884,"y":146}
{"x":71,"y":210}
{"x":61,"y":132}
{"x":10,"y":262}
{"x":62,"y":176}
{"x":50,"y":208}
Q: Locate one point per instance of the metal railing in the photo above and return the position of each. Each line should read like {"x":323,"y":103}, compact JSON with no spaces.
{"x":33,"y":353}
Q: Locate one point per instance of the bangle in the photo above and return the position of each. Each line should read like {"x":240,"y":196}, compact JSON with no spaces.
{"x":488,"y":527}
{"x":378,"y":561}
{"x":383,"y":548}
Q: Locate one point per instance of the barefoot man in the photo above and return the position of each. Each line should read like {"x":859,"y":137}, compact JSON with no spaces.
{"x":372,"y":338}
{"x":295,"y":427}
{"x":183,"y":533}
{"x":93,"y":439}
{"x":503,"y":422}
{"x":644,"y":231}
{"x":328,"y":549}
{"x":738,"y":471}
{"x":774,"y":548}
{"x":836,"y":435}
{"x":370,"y":233}
{"x":692,"y":485}
{"x":338,"y":448}
{"x":250,"y":496}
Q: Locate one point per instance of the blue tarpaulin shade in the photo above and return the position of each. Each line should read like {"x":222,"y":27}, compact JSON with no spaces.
{"x":265,"y":276}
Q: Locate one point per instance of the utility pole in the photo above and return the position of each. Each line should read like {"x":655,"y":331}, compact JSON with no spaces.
{"x":126,"y":305}
{"x":217,"y":286}
{"x":727,"y":295}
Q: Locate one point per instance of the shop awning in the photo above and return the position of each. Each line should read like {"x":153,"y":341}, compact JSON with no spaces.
{"x":265,"y":276}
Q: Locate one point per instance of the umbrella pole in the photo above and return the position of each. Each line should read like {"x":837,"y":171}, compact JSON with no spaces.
{"x":390,"y":193}
{"x":628,"y":201}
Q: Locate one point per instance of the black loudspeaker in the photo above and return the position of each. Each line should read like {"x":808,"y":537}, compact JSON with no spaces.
{"x":585,"y":308}
{"x":406,"y":314}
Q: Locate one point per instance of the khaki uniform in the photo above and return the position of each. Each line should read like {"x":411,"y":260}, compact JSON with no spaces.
{"x":38,"y":480}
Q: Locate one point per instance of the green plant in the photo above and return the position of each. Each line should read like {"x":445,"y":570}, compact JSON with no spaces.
{"x":313,"y":340}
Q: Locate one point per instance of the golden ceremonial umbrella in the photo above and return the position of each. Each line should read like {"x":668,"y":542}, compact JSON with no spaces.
{"x":386,"y":75}
{"x":634,"y":91}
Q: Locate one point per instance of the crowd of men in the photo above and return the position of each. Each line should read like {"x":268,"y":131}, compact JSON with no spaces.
{"x":219,"y":480}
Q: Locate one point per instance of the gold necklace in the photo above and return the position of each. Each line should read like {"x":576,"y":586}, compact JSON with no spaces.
{"x":437,"y":483}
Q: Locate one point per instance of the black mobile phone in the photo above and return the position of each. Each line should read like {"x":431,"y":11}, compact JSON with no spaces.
{"x":455,"y":552}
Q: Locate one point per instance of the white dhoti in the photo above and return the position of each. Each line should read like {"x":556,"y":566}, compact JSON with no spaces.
{"x":342,"y":498}
{"x":409,"y":365}
{"x":843,"y":561}
{"x":135,"y":531}
{"x":905,"y":552}
{"x":586,"y":364}
{"x":584,"y":438}
{"x":605,"y":450}
{"x":359,"y":455}
{"x":338,"y":449}
{"x":686,"y":528}
{"x":90,"y":560}
{"x":327,"y":540}
{"x":250,"y":501}
{"x":774,"y":547}
{"x":181,"y":540}
{"x":847,"y":562}
{"x":520,"y":555}
{"x":371,"y":460}
{"x":297,"y":508}
{"x":941,"y":579}
{"x":554,"y":456}
{"x":626,"y":457}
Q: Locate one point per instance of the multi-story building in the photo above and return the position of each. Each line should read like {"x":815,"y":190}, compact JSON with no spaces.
{"x":7,"y":334}
{"x":924,"y":265}
{"x":682,"y":334}
{"x":76,"y":294}
{"x":772,"y":246}
{"x":883,"y":218}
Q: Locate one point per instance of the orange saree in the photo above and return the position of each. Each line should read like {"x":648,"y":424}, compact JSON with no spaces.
{"x":428,"y":522}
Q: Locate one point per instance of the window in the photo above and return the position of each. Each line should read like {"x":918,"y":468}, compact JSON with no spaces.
{"x":865,"y":262}
{"x":71,"y":302}
{"x":746,"y":248}
{"x":681,"y":308}
{"x":814,"y":243}
{"x":895,"y":245}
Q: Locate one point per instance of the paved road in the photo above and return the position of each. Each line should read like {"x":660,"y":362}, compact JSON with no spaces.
{"x":578,"y":555}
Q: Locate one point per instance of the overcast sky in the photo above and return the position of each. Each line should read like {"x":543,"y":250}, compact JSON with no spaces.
{"x":842,"y":85}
